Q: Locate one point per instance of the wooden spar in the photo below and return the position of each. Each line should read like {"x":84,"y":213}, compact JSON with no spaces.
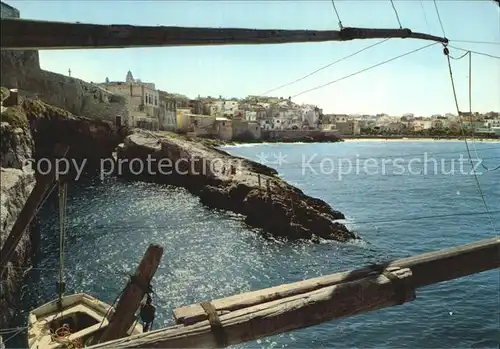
{"x":427,"y":268}
{"x":29,"y":210}
{"x":23,"y":34}
{"x":326,"y":302}
{"x":312,"y":308}
{"x":124,"y":316}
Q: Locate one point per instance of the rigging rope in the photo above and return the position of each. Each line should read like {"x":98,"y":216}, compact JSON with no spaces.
{"x":326,"y":66}
{"x":397,"y":15}
{"x":14,"y":335}
{"x":470,"y":115}
{"x":477,"y":42}
{"x":112,"y":305}
{"x":425,"y":16}
{"x":62,"y":220}
{"x":439,"y":18}
{"x":411,"y":219}
{"x":476,"y":52}
{"x":364,"y":70}
{"x":338,"y":16}
{"x":446,"y":53}
{"x":387,"y":220}
{"x":459,"y":58}
{"x":5,"y":331}
{"x":61,"y":335}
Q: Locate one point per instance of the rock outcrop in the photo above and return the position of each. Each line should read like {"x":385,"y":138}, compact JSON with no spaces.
{"x":16,"y":185}
{"x":29,"y":131}
{"x":230,"y":183}
{"x":17,"y":181}
{"x":89,"y":140}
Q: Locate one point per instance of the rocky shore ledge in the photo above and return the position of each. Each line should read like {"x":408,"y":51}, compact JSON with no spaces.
{"x":231,"y":183}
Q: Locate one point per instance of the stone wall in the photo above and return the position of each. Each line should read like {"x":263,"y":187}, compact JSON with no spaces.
{"x":8,"y":11}
{"x":299,"y":135}
{"x":246,"y":130}
{"x":21,"y":70}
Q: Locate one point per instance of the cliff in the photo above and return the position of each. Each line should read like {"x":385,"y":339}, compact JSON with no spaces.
{"x":17,"y":181}
{"x":230,"y":183}
{"x":29,"y":130}
{"x":16,"y":186}
{"x":89,"y":140}
{"x":21,"y":70}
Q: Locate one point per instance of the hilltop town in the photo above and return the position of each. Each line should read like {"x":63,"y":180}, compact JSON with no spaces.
{"x":266,"y":118}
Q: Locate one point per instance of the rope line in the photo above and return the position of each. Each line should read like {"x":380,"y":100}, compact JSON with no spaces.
{"x":338,"y":16}
{"x":387,"y":220}
{"x":5,"y":331}
{"x":478,"y":42}
{"x":62,"y":220}
{"x":411,"y":219}
{"x":470,"y":113}
{"x":326,"y":66}
{"x":462,"y":56}
{"x":476,"y":52}
{"x":14,"y":335}
{"x":425,"y":16}
{"x":61,"y":335}
{"x":364,"y":70}
{"x":439,"y":18}
{"x":396,"y":13}
{"x":112,"y":305}
{"x":465,"y":139}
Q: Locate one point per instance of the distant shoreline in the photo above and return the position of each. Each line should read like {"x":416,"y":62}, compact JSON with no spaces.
{"x":418,"y":139}
{"x":362,"y":139}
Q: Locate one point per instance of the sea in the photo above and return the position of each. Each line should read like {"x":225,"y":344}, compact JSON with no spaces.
{"x":401,"y":197}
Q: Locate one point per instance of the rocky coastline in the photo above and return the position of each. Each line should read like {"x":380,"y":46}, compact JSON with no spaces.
{"x":51,"y":108}
{"x":30,"y":128}
{"x":223,"y":181}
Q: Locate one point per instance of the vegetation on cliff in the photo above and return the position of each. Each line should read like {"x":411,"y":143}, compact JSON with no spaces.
{"x":19,"y":115}
{"x":4,"y":93}
{"x":89,"y":140}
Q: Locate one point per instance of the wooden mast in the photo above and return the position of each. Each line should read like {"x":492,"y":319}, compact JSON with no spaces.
{"x":124,"y":316}
{"x":23,"y":34}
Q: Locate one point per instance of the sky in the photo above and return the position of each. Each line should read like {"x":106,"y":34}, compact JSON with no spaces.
{"x":418,"y":83}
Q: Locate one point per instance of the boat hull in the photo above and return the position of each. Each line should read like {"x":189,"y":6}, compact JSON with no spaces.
{"x":81,"y":321}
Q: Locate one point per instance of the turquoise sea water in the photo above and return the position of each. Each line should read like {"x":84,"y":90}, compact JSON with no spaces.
{"x":397,"y":203}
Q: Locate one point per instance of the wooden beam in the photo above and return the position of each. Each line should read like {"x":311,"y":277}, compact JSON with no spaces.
{"x":124,"y":316}
{"x":364,"y":293}
{"x":23,"y":34}
{"x":427,"y":268}
{"x":29,"y":210}
{"x":312,"y":308}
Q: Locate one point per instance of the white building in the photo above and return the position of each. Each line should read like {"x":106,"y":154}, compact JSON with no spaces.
{"x":230,"y":108}
{"x":168,"y":114}
{"x":339,"y":118}
{"x":310,"y":115}
{"x":492,"y":123}
{"x":419,"y":125}
{"x":142,"y":101}
{"x":250,"y":115}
